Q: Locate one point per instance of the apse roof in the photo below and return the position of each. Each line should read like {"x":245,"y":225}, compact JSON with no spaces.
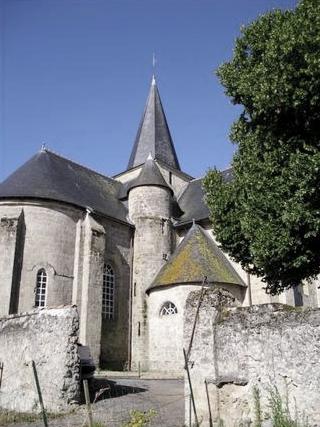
{"x":50,"y":176}
{"x":197,"y":256}
{"x":153,"y":134}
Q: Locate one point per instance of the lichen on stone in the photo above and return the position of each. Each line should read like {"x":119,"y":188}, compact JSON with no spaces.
{"x":197,"y":257}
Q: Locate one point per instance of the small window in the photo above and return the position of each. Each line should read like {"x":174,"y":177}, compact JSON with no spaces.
{"x":108,"y":292}
{"x":41,"y":288}
{"x":168,"y":309}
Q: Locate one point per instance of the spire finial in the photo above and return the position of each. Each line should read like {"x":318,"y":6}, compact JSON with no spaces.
{"x":154,"y":61}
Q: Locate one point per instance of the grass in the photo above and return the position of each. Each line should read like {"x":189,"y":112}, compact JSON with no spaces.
{"x":280,"y":414}
{"x":11,"y":417}
{"x":8,"y":417}
{"x":279,"y":410}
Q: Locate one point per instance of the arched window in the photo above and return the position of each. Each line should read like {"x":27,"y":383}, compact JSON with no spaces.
{"x":108,"y":292}
{"x":41,"y":288}
{"x":168,"y":309}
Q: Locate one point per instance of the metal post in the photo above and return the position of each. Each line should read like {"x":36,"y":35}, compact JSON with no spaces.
{"x":190,"y":386}
{"x":209,"y":406}
{"x":88,"y":404}
{"x":196,"y":316}
{"x":43,"y":411}
{"x":1,"y":371}
{"x":249,"y":289}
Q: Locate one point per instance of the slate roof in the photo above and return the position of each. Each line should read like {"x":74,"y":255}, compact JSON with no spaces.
{"x":153,"y":134}
{"x":49,"y":176}
{"x":197,"y":256}
{"x":192,"y":203}
{"x":149,"y":175}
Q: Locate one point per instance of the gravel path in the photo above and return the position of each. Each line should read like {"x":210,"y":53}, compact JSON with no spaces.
{"x":113,"y":409}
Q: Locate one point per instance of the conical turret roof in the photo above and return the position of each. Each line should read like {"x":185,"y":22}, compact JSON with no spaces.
{"x":153,"y":134}
{"x":149,"y":175}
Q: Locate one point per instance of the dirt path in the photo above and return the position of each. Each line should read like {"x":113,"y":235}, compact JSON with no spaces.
{"x":165,"y":397}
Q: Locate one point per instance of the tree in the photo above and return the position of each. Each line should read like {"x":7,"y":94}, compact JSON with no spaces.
{"x":268,"y":216}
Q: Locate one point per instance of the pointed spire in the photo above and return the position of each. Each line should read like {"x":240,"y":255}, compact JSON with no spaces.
{"x":153,"y":134}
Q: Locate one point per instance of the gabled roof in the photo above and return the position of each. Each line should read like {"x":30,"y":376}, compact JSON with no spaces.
{"x":153,"y":134}
{"x":149,"y":175}
{"x":49,"y":176}
{"x":192,"y":202}
{"x":197,"y":256}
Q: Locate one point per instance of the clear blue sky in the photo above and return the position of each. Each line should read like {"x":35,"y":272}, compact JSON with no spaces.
{"x":76,"y":73}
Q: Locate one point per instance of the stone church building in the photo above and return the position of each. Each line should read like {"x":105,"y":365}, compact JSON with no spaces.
{"x":126,"y":250}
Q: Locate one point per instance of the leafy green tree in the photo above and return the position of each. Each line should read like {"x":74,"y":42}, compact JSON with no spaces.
{"x":268,"y":217}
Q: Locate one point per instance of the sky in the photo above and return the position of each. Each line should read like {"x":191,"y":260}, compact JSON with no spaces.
{"x":75,"y":75}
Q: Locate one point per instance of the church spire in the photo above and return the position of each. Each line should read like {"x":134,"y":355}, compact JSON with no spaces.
{"x":153,"y":135}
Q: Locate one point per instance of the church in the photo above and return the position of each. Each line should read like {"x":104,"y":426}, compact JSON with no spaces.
{"x":126,"y":250}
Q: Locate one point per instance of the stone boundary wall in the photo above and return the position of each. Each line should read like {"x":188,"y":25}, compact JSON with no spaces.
{"x":237,"y":349}
{"x":48,"y":337}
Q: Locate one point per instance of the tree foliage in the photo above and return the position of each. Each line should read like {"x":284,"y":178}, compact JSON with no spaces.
{"x":268,"y":217}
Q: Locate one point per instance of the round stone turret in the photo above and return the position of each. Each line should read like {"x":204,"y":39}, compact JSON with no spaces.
{"x":150,"y":200}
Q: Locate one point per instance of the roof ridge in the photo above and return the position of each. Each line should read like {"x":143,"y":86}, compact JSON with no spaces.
{"x":47,"y":150}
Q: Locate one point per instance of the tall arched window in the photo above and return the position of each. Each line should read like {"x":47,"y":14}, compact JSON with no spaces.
{"x":108,"y":292}
{"x":168,"y":309}
{"x":41,"y":288}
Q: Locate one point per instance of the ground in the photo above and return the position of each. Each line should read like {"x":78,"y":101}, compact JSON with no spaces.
{"x":113,"y":407}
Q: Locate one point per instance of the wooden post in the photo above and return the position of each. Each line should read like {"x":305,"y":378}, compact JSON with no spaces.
{"x":209,"y":406}
{"x":88,"y":404}
{"x":190,"y":386}
{"x":43,"y":411}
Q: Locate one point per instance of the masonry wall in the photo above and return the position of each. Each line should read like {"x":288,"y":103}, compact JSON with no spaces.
{"x":49,"y":338}
{"x":115,"y":332}
{"x":47,"y":240}
{"x":237,"y":349}
{"x":166,"y":339}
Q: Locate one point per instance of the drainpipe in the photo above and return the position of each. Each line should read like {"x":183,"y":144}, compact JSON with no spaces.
{"x":130,"y":303}
{"x":249,"y":289}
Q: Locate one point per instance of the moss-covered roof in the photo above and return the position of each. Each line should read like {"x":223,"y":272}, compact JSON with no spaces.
{"x":197,"y":256}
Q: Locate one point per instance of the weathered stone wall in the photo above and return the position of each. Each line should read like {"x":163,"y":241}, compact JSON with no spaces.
{"x":115,"y":332}
{"x":49,"y":338}
{"x":47,"y":240}
{"x":237,"y":349}
{"x":178,"y":181}
{"x":166,"y":349}
{"x":12,"y":232}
